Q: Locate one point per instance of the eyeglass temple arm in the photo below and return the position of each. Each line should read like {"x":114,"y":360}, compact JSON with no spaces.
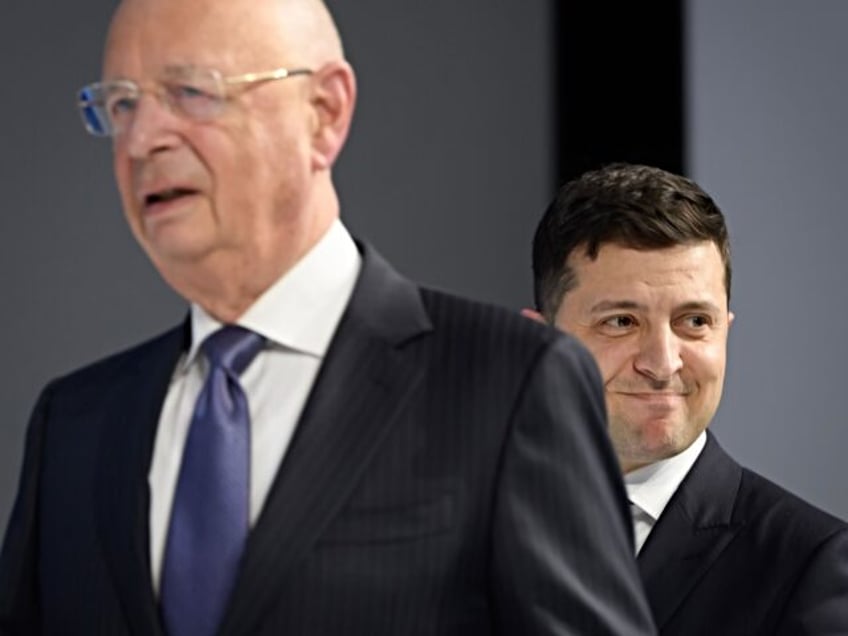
{"x":280,"y":73}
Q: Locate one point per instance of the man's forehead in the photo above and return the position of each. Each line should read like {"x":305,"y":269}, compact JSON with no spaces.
{"x":623,"y":273}
{"x":152,"y":34}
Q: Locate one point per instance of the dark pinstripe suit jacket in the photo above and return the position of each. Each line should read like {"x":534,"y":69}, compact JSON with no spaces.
{"x":450,"y":474}
{"x":736,"y":555}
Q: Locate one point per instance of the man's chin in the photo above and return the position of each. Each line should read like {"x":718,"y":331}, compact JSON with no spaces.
{"x":654,"y":442}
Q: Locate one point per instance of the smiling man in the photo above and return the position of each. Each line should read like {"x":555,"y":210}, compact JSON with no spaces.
{"x":635,"y":262}
{"x":322,"y":447}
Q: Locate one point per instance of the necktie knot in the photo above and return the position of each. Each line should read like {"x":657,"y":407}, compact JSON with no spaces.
{"x":232,"y":348}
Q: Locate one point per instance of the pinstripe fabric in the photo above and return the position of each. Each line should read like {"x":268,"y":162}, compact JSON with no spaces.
{"x":450,"y":474}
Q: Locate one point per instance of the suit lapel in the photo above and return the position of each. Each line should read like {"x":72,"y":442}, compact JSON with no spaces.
{"x":130,"y":420}
{"x":692,"y":532}
{"x":364,"y":384}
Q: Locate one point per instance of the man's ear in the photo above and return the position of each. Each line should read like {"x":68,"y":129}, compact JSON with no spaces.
{"x":532,"y":314}
{"x":333,"y":99}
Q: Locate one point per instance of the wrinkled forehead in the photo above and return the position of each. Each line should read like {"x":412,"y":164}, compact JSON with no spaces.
{"x":148,"y":36}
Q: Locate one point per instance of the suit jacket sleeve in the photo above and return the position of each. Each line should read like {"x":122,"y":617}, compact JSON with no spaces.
{"x":819,"y":602}
{"x":562,"y":540}
{"x":19,"y":612}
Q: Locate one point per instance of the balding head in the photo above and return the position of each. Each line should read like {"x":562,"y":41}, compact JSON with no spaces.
{"x":266,"y":32}
{"x":308,"y":23}
{"x":253,"y":184}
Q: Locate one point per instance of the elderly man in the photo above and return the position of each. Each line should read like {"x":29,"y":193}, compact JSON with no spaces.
{"x":635,"y":262}
{"x":322,"y":447}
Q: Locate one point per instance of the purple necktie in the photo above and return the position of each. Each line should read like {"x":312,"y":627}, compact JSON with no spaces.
{"x":210,"y":517}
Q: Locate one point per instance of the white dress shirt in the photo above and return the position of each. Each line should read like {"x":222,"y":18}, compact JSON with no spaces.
{"x":298,"y":316}
{"x":650,"y":488}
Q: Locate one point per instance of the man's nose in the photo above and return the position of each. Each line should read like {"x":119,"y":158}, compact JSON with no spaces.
{"x":659,"y":354}
{"x":152,"y":128}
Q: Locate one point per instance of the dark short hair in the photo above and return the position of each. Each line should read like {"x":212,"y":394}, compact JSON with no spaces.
{"x":639,"y":207}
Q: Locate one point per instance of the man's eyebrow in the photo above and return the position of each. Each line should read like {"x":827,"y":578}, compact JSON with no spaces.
{"x":171,"y":70}
{"x":632,"y":305}
{"x":607,"y":305}
{"x":700,"y":305}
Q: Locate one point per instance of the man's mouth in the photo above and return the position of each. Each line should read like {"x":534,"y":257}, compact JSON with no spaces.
{"x":167,"y":196}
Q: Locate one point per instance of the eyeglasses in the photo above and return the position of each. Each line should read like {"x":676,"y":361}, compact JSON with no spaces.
{"x":108,"y":108}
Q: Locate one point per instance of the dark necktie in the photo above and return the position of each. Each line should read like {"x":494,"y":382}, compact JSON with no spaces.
{"x":210,"y":517}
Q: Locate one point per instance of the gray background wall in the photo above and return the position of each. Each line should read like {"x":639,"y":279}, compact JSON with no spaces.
{"x":448,"y":166}
{"x":768,"y":99}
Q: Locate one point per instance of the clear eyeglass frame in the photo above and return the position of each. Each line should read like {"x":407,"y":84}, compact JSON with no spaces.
{"x":198,"y":94}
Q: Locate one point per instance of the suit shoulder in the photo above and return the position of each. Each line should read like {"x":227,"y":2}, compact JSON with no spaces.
{"x":101,"y":372}
{"x":473,"y":320}
{"x":792,"y":520}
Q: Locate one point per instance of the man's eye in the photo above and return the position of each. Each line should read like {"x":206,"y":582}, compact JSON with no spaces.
{"x":187,"y":92}
{"x":619,"y":322}
{"x":697,"y":321}
{"x":120,"y":105}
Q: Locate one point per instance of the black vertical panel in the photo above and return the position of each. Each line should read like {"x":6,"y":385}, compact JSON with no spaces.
{"x":620,"y":84}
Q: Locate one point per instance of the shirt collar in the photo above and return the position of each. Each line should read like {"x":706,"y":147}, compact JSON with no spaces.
{"x":301,"y":310}
{"x":652,"y":486}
